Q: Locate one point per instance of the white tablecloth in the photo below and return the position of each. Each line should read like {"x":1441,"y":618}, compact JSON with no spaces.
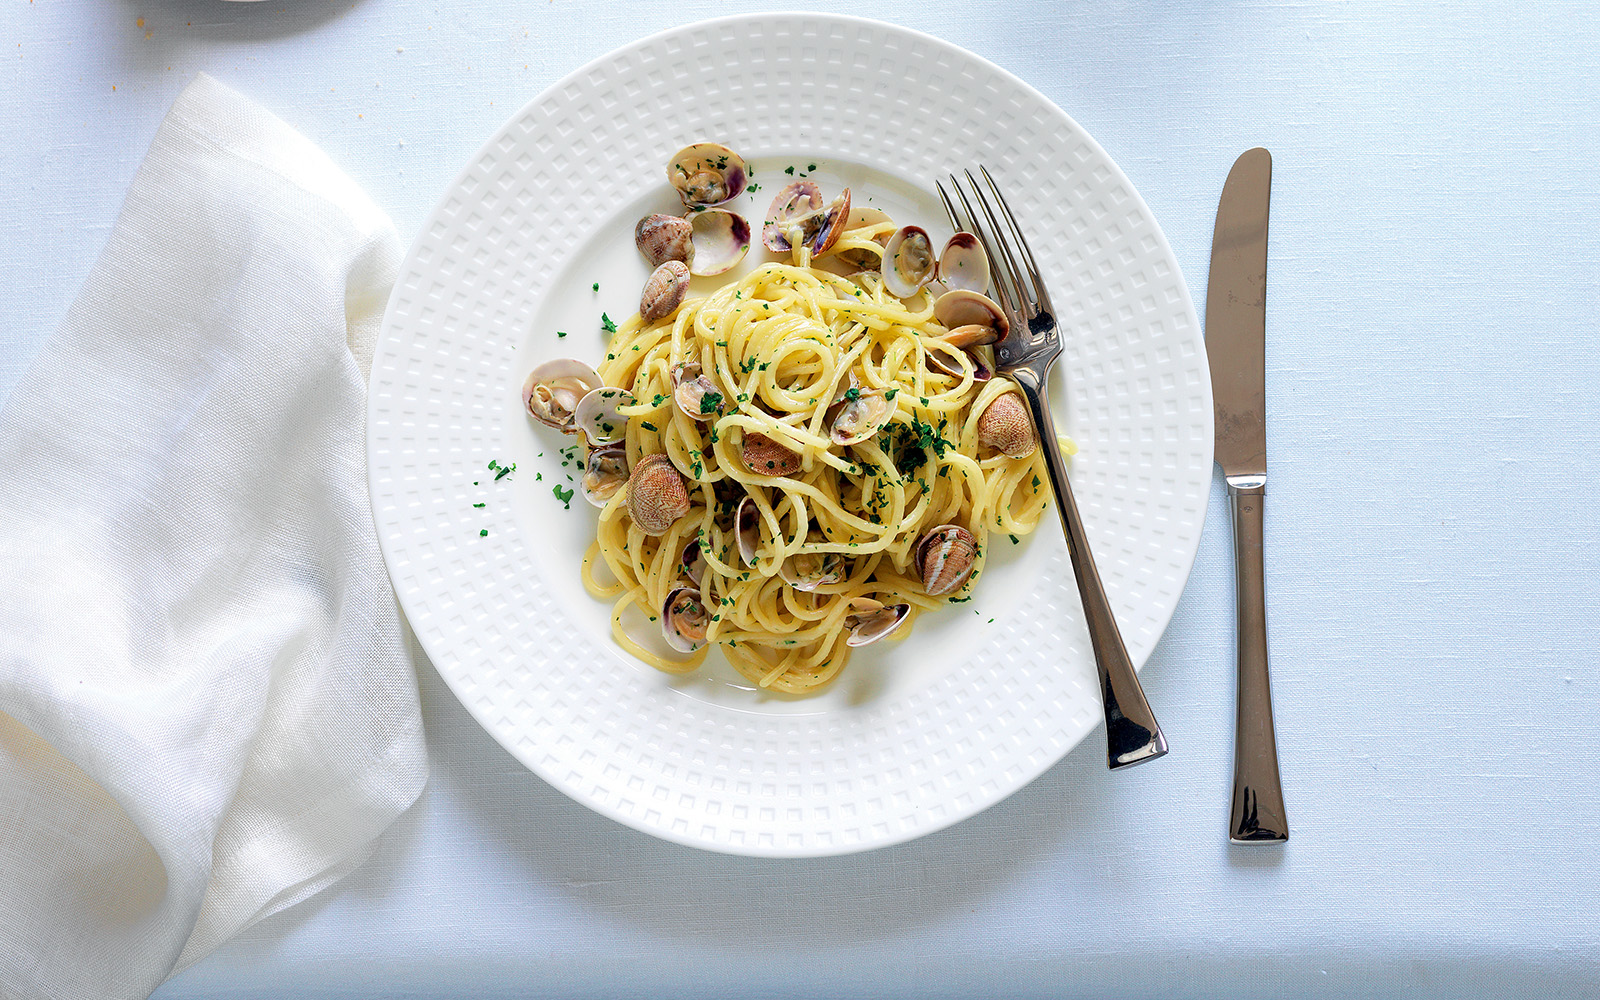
{"x":1432,"y":560}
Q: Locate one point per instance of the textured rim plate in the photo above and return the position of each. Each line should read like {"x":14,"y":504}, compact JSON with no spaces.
{"x":936,"y":728}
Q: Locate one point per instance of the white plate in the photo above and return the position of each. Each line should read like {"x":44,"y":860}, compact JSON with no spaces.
{"x":917,"y":734}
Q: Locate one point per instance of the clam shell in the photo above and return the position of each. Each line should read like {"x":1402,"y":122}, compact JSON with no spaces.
{"x":1005,"y":426}
{"x":664,"y":291}
{"x":605,"y":470}
{"x":553,"y":390}
{"x":766,"y":457}
{"x":971,"y":335}
{"x":721,"y":239}
{"x":869,"y":620}
{"x":684,"y":619}
{"x":597,"y":417}
{"x":806,"y":571}
{"x":747,"y":525}
{"x":796,"y":201}
{"x":960,"y":307}
{"x":908,"y":261}
{"x":799,"y":206}
{"x":707,"y":173}
{"x":664,"y":237}
{"x":657,"y":496}
{"x":860,"y":418}
{"x":690,"y":389}
{"x":963,"y":264}
{"x":692,"y":563}
{"x":945,"y":557}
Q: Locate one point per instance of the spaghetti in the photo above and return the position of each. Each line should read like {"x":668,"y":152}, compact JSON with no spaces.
{"x":841,"y":541}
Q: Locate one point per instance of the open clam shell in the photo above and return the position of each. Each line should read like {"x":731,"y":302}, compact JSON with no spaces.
{"x":861,"y":418}
{"x":692,"y":563}
{"x":747,"y":526}
{"x":795,"y":202}
{"x":908,"y":261}
{"x":684,"y":619}
{"x":963,"y":264}
{"x":553,"y":390}
{"x":806,"y":571}
{"x":961,"y":307}
{"x":869,"y":620}
{"x":707,"y":173}
{"x":721,"y":239}
{"x":605,"y":470}
{"x":597,"y":417}
{"x":695,"y":394}
{"x":798,"y":217}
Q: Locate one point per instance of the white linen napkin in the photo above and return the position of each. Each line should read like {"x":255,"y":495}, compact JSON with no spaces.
{"x":208,"y":710}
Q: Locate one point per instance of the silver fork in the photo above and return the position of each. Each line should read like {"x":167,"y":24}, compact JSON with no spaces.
{"x":1026,"y":354}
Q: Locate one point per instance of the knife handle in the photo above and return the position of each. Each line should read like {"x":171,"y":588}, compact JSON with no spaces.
{"x":1132,"y":735}
{"x":1257,"y":813}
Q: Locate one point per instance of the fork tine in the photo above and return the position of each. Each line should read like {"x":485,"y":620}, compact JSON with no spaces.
{"x":1041,"y":295}
{"x":949,"y":206}
{"x":1009,"y":301}
{"x":1025,"y":303}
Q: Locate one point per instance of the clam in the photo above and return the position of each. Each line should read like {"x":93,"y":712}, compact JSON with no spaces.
{"x":664,"y":290}
{"x":766,"y":457}
{"x":721,"y":239}
{"x":1004,"y":426}
{"x":597,"y":417}
{"x":963,"y":264}
{"x":657,"y":496}
{"x":552,"y":392}
{"x":695,"y":394}
{"x":945,"y":557}
{"x":664,"y":237}
{"x":747,"y":525}
{"x":860,"y":418}
{"x":707,"y":173}
{"x":908,"y":262}
{"x":806,"y":571}
{"x":944,"y":357}
{"x":961,"y":307}
{"x":869,"y":620}
{"x":971,"y":335}
{"x":692,"y":563}
{"x":797,"y":213}
{"x":799,"y":200}
{"x":684,"y":619}
{"x":605,"y":470}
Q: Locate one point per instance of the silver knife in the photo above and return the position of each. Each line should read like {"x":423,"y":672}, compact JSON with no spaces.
{"x":1236,"y":329}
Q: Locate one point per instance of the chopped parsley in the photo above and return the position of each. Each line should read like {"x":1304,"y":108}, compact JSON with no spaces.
{"x":480,"y":505}
{"x":561,"y":333}
{"x":710,"y":402}
{"x":597,"y":286}
{"x":484,"y":533}
{"x":564,"y":495}
{"x":789,"y":171}
{"x":606,"y":324}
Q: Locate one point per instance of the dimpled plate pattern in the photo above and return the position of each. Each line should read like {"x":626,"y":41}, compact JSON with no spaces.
{"x":765,"y":776}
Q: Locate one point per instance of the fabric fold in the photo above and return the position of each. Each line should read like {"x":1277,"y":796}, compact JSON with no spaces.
{"x":207,"y":706}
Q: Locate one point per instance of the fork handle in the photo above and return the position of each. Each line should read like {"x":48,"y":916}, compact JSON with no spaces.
{"x":1132,"y":735}
{"x":1257,"y":815}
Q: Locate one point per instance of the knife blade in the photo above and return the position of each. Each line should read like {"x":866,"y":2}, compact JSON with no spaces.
{"x":1236,"y":326}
